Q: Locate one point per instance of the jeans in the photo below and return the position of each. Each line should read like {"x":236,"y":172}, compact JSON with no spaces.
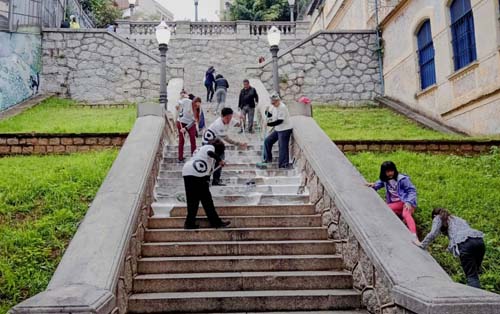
{"x":471,"y":257}
{"x":192,"y":139}
{"x":210,"y":92}
{"x":398,"y":209}
{"x":220,"y":96}
{"x":217,"y":174}
{"x":248,"y":112}
{"x":283,"y":139}
{"x":198,"y":189}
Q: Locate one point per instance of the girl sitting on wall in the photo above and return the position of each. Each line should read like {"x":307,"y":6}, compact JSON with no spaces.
{"x":400,"y":193}
{"x":465,"y":242}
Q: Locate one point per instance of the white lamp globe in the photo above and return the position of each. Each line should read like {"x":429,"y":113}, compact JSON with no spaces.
{"x":131,"y":2}
{"x":291,"y":2}
{"x":163,"y":33}
{"x":274,"y":36}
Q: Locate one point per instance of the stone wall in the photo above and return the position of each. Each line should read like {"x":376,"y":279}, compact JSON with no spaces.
{"x":96,"y":66}
{"x":20,"y":66}
{"x":329,"y":67}
{"x":28,"y":144}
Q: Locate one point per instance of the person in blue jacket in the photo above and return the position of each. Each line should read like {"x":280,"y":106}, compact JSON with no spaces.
{"x":209,"y":83}
{"x":400,"y":193}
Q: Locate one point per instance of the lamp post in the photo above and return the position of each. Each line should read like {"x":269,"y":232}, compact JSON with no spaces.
{"x":163,"y":35}
{"x":274,"y":37}
{"x":292,"y":5}
{"x":196,"y":10}
{"x":131,"y":5}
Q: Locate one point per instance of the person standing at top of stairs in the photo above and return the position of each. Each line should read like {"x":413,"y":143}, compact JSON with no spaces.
{"x":247,"y":103}
{"x":209,"y":83}
{"x":187,"y":122}
{"x":196,"y":174}
{"x":218,"y":131}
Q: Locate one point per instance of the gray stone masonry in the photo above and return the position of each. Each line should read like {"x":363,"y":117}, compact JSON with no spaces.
{"x":328,"y":67}
{"x":96,"y":66}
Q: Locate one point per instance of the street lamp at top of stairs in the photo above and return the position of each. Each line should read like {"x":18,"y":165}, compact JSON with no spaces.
{"x":163,"y":35}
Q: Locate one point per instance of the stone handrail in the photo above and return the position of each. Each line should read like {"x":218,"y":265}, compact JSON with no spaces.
{"x":261,"y":28}
{"x":213,"y":29}
{"x":148,"y":28}
{"x":96,"y":272}
{"x":392,"y":273}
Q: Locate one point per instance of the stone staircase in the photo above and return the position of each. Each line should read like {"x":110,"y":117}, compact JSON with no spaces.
{"x":274,"y":257}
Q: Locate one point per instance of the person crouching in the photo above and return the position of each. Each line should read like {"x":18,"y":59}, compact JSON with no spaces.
{"x":196,"y":173}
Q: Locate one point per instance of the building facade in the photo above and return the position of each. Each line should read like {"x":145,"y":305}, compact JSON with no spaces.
{"x":441,"y":58}
{"x":145,"y":10}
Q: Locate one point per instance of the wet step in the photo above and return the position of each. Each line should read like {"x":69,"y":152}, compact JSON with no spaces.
{"x":248,"y":173}
{"x":229,"y":154}
{"x":249,"y":199}
{"x":245,"y":301}
{"x":302,"y":247}
{"x":239,"y":159}
{"x":242,"y":281}
{"x":233,"y":164}
{"x":206,"y":264}
{"x":162,"y":190}
{"x":236,"y":234}
{"x":260,"y":210}
{"x":241,"y":222}
{"x":277,"y":180}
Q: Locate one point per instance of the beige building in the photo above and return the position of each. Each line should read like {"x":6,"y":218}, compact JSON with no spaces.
{"x":440,"y":57}
{"x":145,"y":10}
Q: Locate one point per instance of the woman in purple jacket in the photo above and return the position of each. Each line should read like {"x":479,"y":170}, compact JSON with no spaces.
{"x":400,"y":193}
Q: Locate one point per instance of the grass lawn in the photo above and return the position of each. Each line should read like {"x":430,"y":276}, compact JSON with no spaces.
{"x":468,"y":186}
{"x":55,"y":115}
{"x":42,"y":200}
{"x":371,"y":123}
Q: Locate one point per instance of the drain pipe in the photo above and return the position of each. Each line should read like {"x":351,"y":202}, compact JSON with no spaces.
{"x":379,"y":50}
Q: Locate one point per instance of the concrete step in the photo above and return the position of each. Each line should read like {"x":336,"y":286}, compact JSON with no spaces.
{"x":233,"y":159}
{"x":231,"y":165}
{"x":236,"y":234}
{"x":229,"y":154}
{"x":291,"y":180}
{"x":243,"y":281}
{"x":249,"y":173}
{"x":302,"y":247}
{"x":162,"y":190}
{"x":245,"y":301}
{"x":252,"y":145}
{"x":264,"y":210}
{"x":308,"y":312}
{"x":242,"y":222}
{"x":195,"y":264}
{"x":249,"y":199}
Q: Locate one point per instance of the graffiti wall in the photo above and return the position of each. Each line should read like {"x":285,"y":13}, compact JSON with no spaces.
{"x":20,"y":67}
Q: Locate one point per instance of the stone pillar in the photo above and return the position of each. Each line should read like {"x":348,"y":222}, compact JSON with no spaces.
{"x":243,"y":29}
{"x":301,"y":29}
{"x":123,"y":28}
{"x":183,"y":30}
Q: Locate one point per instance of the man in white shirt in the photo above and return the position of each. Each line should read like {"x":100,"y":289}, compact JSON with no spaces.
{"x":218,"y":130}
{"x":279,"y":118}
{"x":196,"y":174}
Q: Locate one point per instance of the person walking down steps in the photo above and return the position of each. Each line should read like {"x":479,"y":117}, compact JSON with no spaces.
{"x":218,"y":131}
{"x":465,"y":242}
{"x":279,"y":119}
{"x":187,"y":123}
{"x":221,"y":87}
{"x":247,"y":102}
{"x":209,"y":83}
{"x":196,"y":174}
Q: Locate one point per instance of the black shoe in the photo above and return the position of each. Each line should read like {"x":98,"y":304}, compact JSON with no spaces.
{"x":223,"y":224}
{"x":191,"y":227}
{"x":241,"y":131}
{"x":217,"y":183}
{"x":287,"y":167}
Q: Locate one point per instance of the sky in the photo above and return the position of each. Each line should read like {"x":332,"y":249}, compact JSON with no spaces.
{"x":184,"y":9}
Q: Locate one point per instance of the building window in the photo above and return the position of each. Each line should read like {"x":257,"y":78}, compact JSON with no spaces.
{"x":462,"y":30}
{"x":426,"y":55}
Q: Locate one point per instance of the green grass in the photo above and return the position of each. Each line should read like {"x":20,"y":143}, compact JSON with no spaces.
{"x":468,"y":186}
{"x":55,"y":115}
{"x":42,"y":200}
{"x":371,"y":123}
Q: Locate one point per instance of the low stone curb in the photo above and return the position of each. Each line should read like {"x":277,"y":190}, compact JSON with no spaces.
{"x":105,"y":106}
{"x":39,"y":144}
{"x":459,"y":147}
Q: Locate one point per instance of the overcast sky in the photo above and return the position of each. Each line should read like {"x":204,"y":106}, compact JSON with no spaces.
{"x":184,"y":9}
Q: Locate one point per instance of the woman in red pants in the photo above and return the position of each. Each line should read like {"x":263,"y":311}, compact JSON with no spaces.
{"x":189,"y":117}
{"x":400,"y":193}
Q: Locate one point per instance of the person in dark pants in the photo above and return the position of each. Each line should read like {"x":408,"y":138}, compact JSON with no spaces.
{"x":279,"y":118}
{"x":247,"y":102}
{"x":465,"y":242}
{"x":196,"y":174}
{"x":209,"y":83}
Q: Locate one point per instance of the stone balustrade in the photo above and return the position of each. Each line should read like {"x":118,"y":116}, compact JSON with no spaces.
{"x":148,"y":28}
{"x":213,"y":29}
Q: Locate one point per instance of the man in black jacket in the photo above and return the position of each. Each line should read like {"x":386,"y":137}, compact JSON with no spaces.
{"x":247,"y":102}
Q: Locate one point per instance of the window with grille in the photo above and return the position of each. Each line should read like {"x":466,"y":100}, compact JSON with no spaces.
{"x":462,"y":30}
{"x":4,"y":14}
{"x":426,"y":55}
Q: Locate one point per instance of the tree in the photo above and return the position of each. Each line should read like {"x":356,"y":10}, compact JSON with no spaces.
{"x":103,"y":12}
{"x":262,"y":10}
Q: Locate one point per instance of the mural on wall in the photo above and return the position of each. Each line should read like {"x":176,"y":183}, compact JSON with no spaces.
{"x":20,"y":67}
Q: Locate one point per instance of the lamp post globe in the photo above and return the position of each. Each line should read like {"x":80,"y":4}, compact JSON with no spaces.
{"x":291,"y":3}
{"x":163,"y":35}
{"x":274,"y":38}
{"x":131,"y":5}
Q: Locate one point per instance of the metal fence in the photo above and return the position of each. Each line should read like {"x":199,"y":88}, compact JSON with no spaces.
{"x":31,"y":15}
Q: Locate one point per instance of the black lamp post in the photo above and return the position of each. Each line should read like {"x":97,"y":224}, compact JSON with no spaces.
{"x":163,"y":35}
{"x":131,"y":5}
{"x":292,"y":6}
{"x":196,"y":10}
{"x":274,"y":37}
